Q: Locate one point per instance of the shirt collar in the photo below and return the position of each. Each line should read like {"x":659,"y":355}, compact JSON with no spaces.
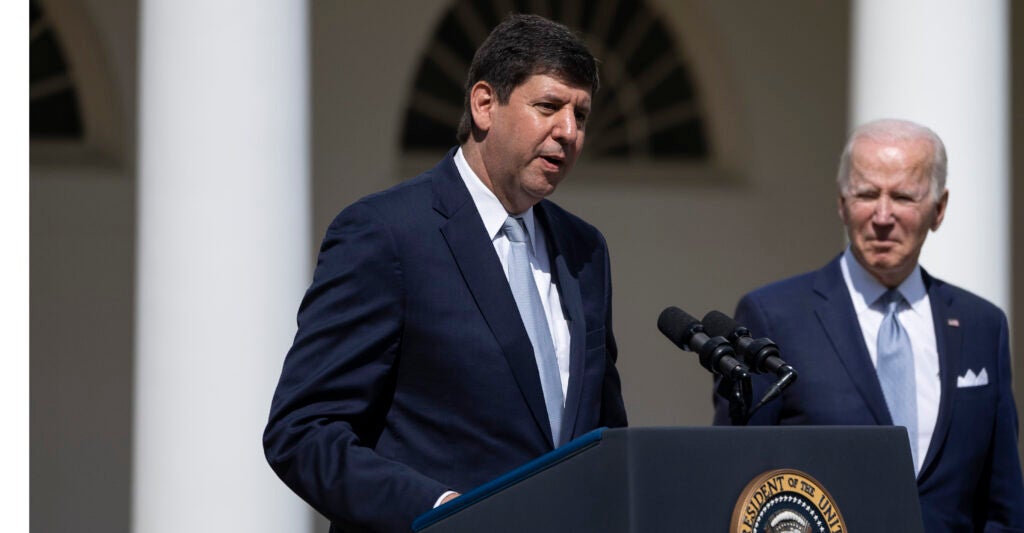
{"x":865,"y":290}
{"x":487,"y":204}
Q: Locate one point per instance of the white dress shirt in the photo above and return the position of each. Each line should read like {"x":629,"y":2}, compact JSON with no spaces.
{"x":916,"y":319}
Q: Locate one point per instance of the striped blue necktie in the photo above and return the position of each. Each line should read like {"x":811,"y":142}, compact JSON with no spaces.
{"x":524,"y":288}
{"x":895,"y":369}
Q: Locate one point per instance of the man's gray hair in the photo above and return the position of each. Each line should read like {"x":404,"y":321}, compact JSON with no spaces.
{"x":889,"y":130}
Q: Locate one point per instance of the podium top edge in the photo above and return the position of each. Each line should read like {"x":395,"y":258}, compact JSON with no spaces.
{"x":494,"y":486}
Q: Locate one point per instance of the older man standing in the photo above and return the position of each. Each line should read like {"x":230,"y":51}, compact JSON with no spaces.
{"x":878,"y":341}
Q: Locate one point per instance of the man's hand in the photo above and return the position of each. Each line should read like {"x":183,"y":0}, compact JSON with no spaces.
{"x":449,"y":498}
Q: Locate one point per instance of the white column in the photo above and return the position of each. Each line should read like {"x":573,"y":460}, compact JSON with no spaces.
{"x":945,"y":64}
{"x":223,"y":225}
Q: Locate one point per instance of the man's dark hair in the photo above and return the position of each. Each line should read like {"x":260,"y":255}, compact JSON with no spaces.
{"x":523,"y":46}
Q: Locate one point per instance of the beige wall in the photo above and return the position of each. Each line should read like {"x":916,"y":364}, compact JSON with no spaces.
{"x":82,"y":233}
{"x":773,"y":79}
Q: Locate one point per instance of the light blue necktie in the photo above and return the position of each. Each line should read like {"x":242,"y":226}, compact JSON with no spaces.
{"x":896,"y":369}
{"x":524,"y":288}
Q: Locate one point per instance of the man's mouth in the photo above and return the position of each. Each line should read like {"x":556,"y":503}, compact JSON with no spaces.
{"x":556,"y":161}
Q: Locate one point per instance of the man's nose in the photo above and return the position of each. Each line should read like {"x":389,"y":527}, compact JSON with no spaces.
{"x":883,"y":211}
{"x":565,"y":128}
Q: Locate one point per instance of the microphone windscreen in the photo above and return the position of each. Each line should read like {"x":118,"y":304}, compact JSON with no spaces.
{"x":677,"y":325}
{"x":718,"y":324}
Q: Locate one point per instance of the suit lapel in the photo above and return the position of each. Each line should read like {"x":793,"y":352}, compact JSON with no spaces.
{"x":481,"y":269}
{"x":843,"y":329}
{"x":561,"y":252}
{"x":948,"y":341}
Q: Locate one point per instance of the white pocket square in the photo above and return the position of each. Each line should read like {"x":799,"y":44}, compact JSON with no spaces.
{"x":970,"y":379}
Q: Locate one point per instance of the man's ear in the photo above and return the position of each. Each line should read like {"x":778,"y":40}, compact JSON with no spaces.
{"x":940,"y":210}
{"x":482,"y":101}
{"x":841,"y":207}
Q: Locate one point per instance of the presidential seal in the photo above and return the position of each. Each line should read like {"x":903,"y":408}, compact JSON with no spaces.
{"x":786,"y":501}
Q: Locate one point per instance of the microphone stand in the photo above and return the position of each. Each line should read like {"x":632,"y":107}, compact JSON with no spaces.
{"x":740,"y":395}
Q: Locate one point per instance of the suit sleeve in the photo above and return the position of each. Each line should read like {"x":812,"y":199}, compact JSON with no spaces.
{"x":613,"y":410}
{"x":1005,"y":507}
{"x":750,"y":314}
{"x":337,"y":383}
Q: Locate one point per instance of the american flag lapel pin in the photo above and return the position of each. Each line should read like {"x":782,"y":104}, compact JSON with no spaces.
{"x":954,"y":322}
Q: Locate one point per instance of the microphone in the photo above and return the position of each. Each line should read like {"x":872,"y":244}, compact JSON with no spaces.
{"x":761,"y":354}
{"x":715,"y":353}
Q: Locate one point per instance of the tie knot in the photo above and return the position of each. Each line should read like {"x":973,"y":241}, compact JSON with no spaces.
{"x":514,"y":229}
{"x":891,"y":300}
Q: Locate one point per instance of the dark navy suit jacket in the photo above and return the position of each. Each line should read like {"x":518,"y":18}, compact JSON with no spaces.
{"x":411,"y":372}
{"x":971,"y":476}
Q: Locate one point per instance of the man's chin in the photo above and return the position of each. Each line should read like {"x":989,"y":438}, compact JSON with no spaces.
{"x":881,"y":263}
{"x":886,"y":268}
{"x":542,"y":189}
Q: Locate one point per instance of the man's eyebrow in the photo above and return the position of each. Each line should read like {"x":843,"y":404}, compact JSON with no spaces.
{"x":553,"y":97}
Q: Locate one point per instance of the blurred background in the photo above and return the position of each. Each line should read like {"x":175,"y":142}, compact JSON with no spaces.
{"x":186,"y":158}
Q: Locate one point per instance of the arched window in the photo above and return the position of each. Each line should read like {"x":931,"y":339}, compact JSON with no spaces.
{"x":647,"y":108}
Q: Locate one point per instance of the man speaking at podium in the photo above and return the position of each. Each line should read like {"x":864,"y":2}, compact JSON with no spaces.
{"x":458,"y":325}
{"x":879,"y":341}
